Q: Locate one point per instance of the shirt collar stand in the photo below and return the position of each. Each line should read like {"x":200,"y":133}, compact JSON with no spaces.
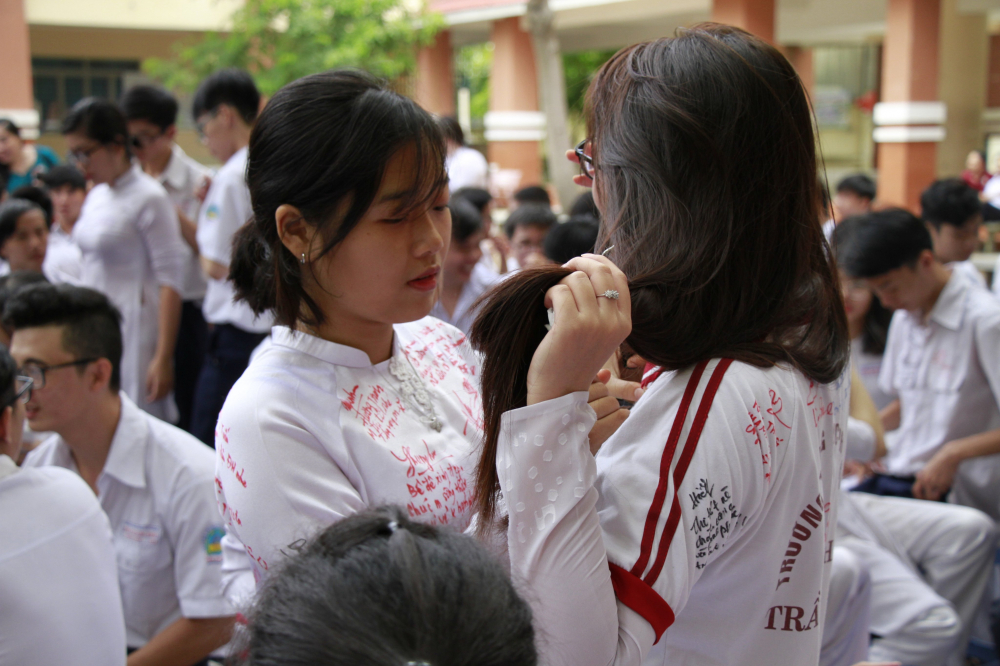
{"x":324,"y":350}
{"x":127,"y":458}
{"x":949,"y":309}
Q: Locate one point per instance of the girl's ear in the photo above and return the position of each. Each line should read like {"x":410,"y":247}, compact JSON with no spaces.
{"x":295,"y":233}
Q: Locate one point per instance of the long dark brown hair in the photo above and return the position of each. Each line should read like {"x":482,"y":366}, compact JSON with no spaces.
{"x":706,"y":176}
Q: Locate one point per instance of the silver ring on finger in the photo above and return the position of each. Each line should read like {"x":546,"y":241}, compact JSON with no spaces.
{"x":611,"y":294}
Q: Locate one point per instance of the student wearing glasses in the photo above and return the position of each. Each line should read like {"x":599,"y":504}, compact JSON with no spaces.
{"x":225,"y":108}
{"x":58,"y":577}
{"x":152,"y":114}
{"x":154,"y":481}
{"x":131,"y":250}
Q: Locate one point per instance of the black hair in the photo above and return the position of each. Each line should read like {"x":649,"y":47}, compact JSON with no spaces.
{"x":574,"y":237}
{"x":321,"y":141}
{"x":228,"y":86}
{"x":377,"y":589}
{"x":91,"y":323}
{"x":10,"y":126}
{"x":61,"y":175}
{"x":12,"y":282}
{"x":98,"y":120}
{"x":584,"y":205}
{"x":949,"y":201}
{"x":858,"y":184}
{"x":38,"y":196}
{"x":876,"y":330}
{"x":533,"y":194}
{"x":529,"y":215}
{"x":149,"y":103}
{"x":875,"y":243}
{"x":8,"y":373}
{"x":477,"y":196}
{"x":824,"y":198}
{"x":451,"y":130}
{"x":10,"y":212}
{"x":465,"y":219}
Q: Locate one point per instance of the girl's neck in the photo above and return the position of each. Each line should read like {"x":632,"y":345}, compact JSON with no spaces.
{"x":373,"y":338}
{"x":25,"y":159}
{"x":451,"y":291}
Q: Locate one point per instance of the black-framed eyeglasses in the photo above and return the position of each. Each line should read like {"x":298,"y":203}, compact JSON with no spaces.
{"x":22,"y":385}
{"x":36,"y":371}
{"x":587,"y":167}
{"x":140,"y":141}
{"x":200,"y":124}
{"x":82,"y":157}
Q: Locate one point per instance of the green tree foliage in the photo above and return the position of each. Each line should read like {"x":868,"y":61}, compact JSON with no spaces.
{"x":279,"y":41}
{"x":472,"y":70}
{"x":580,"y":69}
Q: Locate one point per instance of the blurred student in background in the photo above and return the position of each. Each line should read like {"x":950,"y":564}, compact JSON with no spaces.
{"x":152,"y":115}
{"x":526,"y":228}
{"x":23,"y":235}
{"x":465,"y":278}
{"x":954,"y":215}
{"x":22,"y":163}
{"x":68,"y":190}
{"x":466,"y":166}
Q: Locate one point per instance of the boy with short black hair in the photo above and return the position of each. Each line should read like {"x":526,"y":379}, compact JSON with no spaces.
{"x":954,"y":214}
{"x":225,"y":107}
{"x":68,"y":189}
{"x":526,"y":228}
{"x":532,"y":195}
{"x":465,"y":277}
{"x":152,"y":115}
{"x":942,"y":360}
{"x":572,"y":238}
{"x":154,"y":481}
{"x":466,"y":166}
{"x":854,"y":196}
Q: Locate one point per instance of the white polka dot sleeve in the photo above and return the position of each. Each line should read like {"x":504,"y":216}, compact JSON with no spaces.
{"x":557,"y":555}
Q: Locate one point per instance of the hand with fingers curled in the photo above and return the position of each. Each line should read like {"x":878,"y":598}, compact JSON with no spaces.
{"x":588,"y":327}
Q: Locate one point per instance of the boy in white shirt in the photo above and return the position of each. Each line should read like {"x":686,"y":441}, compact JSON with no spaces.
{"x":225,"y":108}
{"x":153,"y":480}
{"x":942,"y":359}
{"x":953,"y":215}
{"x":151,"y":114}
{"x":58,"y":578}
{"x":68,"y":189}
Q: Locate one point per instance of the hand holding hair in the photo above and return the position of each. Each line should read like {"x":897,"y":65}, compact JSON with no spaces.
{"x":588,"y":328}
{"x":610,"y":415}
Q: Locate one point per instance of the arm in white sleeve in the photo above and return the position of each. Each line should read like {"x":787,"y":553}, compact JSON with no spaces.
{"x":860,"y":440}
{"x":557,"y":553}
{"x":161,"y":236}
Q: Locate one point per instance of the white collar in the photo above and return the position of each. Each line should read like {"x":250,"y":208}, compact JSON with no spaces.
{"x":324,"y":350}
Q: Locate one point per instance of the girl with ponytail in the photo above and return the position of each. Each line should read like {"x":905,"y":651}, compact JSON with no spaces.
{"x":361,"y":399}
{"x":702,"y":530}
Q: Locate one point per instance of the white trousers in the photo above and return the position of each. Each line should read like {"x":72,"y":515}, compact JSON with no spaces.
{"x":930,"y":564}
{"x":848,"y":611}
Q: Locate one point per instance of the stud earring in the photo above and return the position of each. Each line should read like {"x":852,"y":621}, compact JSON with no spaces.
{"x":303,"y":259}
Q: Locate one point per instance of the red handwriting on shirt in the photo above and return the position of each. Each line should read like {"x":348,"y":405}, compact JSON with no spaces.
{"x":378,"y":413}
{"x":434,"y":359}
{"x":440,"y":497}
{"x":229,"y":514}
{"x":759,"y":426}
{"x":230,"y":464}
{"x":776,"y":407}
{"x":819,"y":408}
{"x":419,"y":464}
{"x":472,"y":407}
{"x":259,"y":560}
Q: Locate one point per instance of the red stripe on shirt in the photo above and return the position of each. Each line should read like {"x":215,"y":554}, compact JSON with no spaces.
{"x":650,"y":374}
{"x":631,"y":591}
{"x":682,"y":466}
{"x":653,"y":516}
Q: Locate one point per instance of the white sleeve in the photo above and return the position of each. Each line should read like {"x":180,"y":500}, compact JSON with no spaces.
{"x":554,"y":538}
{"x":988,"y":350}
{"x":860,"y":440}
{"x":161,"y":234}
{"x":886,"y":376}
{"x":996,"y":278}
{"x":225,"y":211}
{"x":238,"y":584}
{"x":276,"y":482}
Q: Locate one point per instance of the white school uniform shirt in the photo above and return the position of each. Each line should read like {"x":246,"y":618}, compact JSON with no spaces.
{"x":967,"y":271}
{"x":713,"y":506}
{"x":313,"y":432}
{"x":181,"y":179}
{"x":156,"y":489}
{"x":226,"y":209}
{"x":130,"y":243}
{"x":869,"y":366}
{"x":946,"y":372}
{"x":58,"y":578}
{"x":466,"y":167}
{"x":481,"y":280}
{"x":62,"y":257}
